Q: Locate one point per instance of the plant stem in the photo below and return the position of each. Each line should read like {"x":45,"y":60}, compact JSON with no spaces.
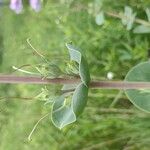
{"x":121,"y":16}
{"x":120,"y":85}
{"x":35,"y":80}
{"x":94,"y":84}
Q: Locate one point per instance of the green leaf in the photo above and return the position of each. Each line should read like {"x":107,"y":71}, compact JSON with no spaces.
{"x":142,"y":29}
{"x":140,"y":73}
{"x":62,"y":114}
{"x":79,"y":99}
{"x":130,"y":17}
{"x":147,"y":10}
{"x":76,"y":55}
{"x":84,"y":72}
{"x":127,"y":12}
{"x":130,"y":23}
{"x":99,"y":19}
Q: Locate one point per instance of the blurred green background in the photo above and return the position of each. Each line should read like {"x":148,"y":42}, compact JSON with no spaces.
{"x":110,"y":121}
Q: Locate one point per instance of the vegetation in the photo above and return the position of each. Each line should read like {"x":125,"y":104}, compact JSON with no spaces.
{"x":109,"y":121}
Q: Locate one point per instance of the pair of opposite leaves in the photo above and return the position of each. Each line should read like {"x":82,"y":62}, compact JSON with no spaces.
{"x":64,"y":112}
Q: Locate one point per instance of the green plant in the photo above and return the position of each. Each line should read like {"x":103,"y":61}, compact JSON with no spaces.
{"x":71,"y":103}
{"x":109,"y":48}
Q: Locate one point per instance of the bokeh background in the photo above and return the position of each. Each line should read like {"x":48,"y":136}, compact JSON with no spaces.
{"x":110,"y":121}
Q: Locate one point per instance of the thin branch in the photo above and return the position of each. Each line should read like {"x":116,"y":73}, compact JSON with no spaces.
{"x":38,"y":53}
{"x":24,"y":71}
{"x":20,"y":67}
{"x":116,"y":15}
{"x":121,"y":16}
{"x":35,"y":126}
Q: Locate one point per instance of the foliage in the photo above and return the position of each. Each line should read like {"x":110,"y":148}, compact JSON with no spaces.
{"x":139,"y":97}
{"x":65,"y":113}
{"x":108,"y":48}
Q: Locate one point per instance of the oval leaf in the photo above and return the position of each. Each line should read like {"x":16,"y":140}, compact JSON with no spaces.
{"x":77,"y":56}
{"x":128,"y":13}
{"x":129,"y":18}
{"x":140,"y":98}
{"x":62,"y":115}
{"x":147,"y":10}
{"x":99,"y":19}
{"x":79,"y":99}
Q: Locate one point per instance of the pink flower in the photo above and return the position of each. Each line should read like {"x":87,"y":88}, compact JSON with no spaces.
{"x":16,"y":5}
{"x":36,"y":5}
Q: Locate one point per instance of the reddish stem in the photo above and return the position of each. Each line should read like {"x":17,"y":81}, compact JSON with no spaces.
{"x":35,"y":80}
{"x":94,"y":84}
{"x":120,"y":85}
